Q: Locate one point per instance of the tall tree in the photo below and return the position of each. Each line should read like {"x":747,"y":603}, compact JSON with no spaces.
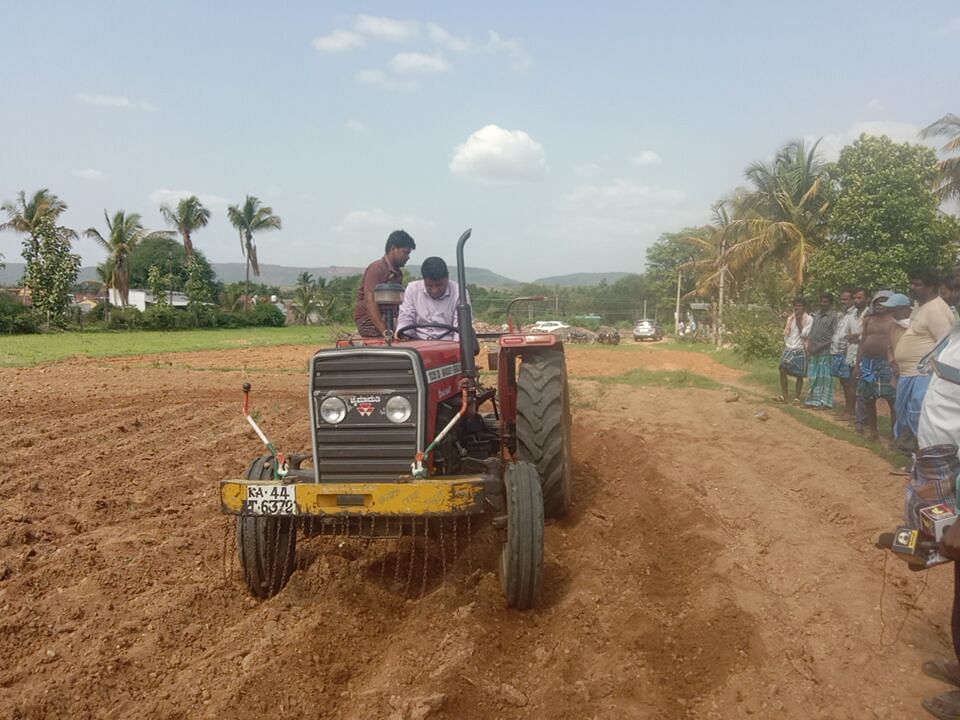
{"x":124,"y":232}
{"x":947,"y":181}
{"x":782,"y":220}
{"x":51,"y":268}
{"x":885,"y":220}
{"x":189,"y":216}
{"x":250,"y":218}
{"x":24,"y":215}
{"x":304,"y":298}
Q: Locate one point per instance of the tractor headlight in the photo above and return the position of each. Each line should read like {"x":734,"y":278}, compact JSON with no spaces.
{"x":333,"y":410}
{"x":398,"y":409}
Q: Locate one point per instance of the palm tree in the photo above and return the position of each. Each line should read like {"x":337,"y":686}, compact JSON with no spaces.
{"x":714,"y":241}
{"x":947,"y":183}
{"x":248,"y":219}
{"x":304,"y":297}
{"x":24,"y":215}
{"x":124,"y":233}
{"x":782,"y":221}
{"x":189,"y":216}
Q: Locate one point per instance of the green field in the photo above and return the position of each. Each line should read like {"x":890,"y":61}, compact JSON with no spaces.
{"x":28,"y":350}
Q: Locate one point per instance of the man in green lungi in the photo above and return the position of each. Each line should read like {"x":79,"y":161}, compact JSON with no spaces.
{"x":820,"y":370}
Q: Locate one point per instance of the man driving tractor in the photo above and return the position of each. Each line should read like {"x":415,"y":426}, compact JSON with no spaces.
{"x":430,"y":301}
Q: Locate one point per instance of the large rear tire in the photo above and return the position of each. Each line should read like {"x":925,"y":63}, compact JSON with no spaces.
{"x":521,"y":557}
{"x":266,"y":546}
{"x":543,"y":427}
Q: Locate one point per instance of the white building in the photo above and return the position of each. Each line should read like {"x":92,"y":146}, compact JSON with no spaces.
{"x":140,"y":299}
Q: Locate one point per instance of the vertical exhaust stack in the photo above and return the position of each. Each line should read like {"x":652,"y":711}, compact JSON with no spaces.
{"x":468,"y":341}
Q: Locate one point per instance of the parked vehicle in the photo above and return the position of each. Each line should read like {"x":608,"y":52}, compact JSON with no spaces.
{"x":548,"y":325}
{"x":608,"y":335}
{"x":647,"y":330}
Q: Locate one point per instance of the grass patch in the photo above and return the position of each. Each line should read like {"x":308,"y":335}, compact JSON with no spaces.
{"x":28,"y":350}
{"x":676,"y":379}
{"x":841,"y":432}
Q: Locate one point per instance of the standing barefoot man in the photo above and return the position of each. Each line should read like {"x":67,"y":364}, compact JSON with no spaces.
{"x":793,"y":361}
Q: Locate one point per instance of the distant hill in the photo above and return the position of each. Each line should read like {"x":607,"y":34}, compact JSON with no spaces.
{"x":284,"y":276}
{"x":582,"y":279}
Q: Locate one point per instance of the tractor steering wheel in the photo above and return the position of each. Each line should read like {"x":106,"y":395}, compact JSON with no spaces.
{"x":401,"y":333}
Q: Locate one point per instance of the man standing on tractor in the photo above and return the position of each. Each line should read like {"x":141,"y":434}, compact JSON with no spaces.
{"x":430,"y":301}
{"x":388,"y":269}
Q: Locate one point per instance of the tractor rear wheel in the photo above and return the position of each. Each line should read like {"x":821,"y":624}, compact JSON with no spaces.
{"x":521,"y":557}
{"x":267,"y":546}
{"x":543,"y":427}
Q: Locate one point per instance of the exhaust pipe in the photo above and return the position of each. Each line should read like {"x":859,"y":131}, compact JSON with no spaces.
{"x":468,"y":342}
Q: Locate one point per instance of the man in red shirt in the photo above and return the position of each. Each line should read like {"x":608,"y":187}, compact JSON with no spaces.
{"x":388,"y":269}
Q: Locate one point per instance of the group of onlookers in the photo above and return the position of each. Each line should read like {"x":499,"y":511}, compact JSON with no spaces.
{"x":873,"y":349}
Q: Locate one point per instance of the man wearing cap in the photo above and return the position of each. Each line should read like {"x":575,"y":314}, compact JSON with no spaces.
{"x":930,"y":322}
{"x":430,"y":301}
{"x":388,"y":269}
{"x":874,"y":369}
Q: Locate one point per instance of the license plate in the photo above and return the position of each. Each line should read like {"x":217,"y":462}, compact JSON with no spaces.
{"x":271,"y":500}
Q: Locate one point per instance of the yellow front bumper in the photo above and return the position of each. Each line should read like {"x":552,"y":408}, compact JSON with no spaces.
{"x":454,"y":496}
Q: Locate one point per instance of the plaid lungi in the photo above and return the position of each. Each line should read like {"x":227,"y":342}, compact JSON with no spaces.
{"x":910,"y":392}
{"x":794,"y":363}
{"x":932,"y":481}
{"x":841,"y":369}
{"x":876,"y":379}
{"x":821,"y":381}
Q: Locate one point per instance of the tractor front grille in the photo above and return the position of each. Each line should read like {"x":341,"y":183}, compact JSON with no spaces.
{"x":365,"y":446}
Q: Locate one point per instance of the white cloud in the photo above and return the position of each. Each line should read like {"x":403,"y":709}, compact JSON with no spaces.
{"x":587,"y":170}
{"x":874,"y":106}
{"x":114,"y":101}
{"x":375,"y":220}
{"x":386,"y":28}
{"x":621,"y":210}
{"x":647,"y":158}
{"x":355,"y":126}
{"x":411,"y":63}
{"x":951,"y":27}
{"x":495,"y":156}
{"x":88,"y":174}
{"x":378,"y":78}
{"x":831,"y":145}
{"x":338,"y":41}
{"x":511,"y":48}
{"x":448,"y":40}
{"x":163,"y":196}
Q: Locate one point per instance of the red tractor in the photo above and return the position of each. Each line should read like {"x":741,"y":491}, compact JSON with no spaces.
{"x":407,"y":437}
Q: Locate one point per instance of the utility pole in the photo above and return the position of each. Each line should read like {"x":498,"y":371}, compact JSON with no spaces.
{"x":644,"y":309}
{"x":677,"y":315}
{"x":557,"y":309}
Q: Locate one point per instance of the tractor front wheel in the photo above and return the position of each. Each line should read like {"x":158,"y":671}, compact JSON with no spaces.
{"x":543,"y":427}
{"x":267,"y":546}
{"x":521,"y":557}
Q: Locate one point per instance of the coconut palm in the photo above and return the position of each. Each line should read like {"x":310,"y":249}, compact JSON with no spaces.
{"x":248,"y":219}
{"x":782,"y":221}
{"x":304,"y":298}
{"x":25,"y":214}
{"x":189,"y":216}
{"x":124,"y":233}
{"x":947,"y":184}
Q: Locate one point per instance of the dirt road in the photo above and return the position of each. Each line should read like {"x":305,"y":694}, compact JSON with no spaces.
{"x":714,"y":566}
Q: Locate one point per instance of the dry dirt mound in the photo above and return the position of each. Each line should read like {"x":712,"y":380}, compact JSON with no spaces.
{"x":708,"y":569}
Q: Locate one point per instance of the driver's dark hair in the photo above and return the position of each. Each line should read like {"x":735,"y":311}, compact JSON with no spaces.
{"x":400,"y":239}
{"x":434,"y":268}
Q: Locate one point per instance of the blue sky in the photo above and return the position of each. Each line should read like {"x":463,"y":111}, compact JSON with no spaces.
{"x":567,"y":135}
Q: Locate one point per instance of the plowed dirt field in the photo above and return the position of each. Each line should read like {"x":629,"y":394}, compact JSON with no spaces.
{"x":713,"y":566}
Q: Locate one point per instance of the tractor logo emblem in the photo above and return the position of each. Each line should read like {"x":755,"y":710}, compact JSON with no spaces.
{"x":365,"y":409}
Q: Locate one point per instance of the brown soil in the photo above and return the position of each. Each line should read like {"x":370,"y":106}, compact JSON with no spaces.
{"x":714,"y":566}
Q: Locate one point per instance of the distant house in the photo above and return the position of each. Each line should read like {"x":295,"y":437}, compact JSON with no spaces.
{"x":141,"y":299}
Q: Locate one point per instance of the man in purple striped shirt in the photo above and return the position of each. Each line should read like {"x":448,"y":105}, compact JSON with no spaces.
{"x":431,"y":301}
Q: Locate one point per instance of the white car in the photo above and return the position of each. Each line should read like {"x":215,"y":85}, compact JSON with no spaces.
{"x":547,"y":326}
